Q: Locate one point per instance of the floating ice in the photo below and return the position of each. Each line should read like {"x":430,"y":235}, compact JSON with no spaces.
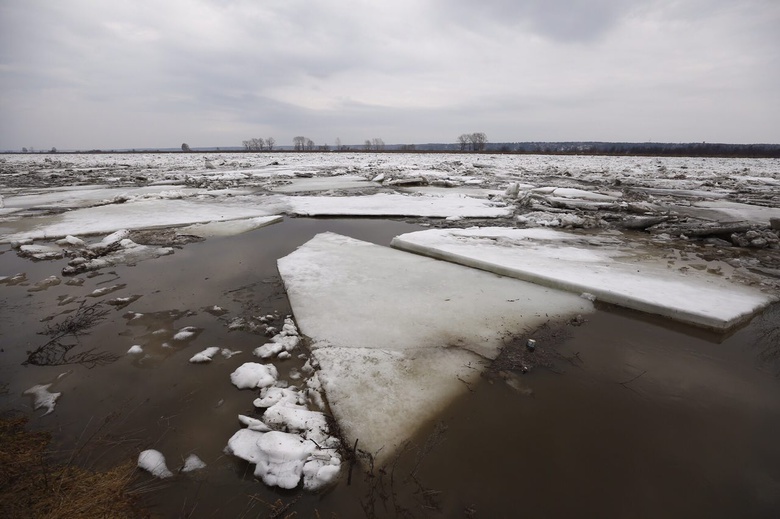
{"x":139,"y":214}
{"x":229,"y":227}
{"x":51,"y":281}
{"x":251,"y":375}
{"x":41,"y":252}
{"x":205,"y":355}
{"x":282,"y":343}
{"x":43,"y":398}
{"x":253,"y":423}
{"x":273,"y":395}
{"x":615,"y":272}
{"x":227,"y":353}
{"x":127,"y":251}
{"x":100,"y":292}
{"x":136,"y":349}
{"x":185,"y":333}
{"x":73,"y":241}
{"x":192,"y":463}
{"x":398,"y":336}
{"x":153,"y":462}
{"x":282,"y":459}
{"x":298,"y":185}
{"x":383,"y":204}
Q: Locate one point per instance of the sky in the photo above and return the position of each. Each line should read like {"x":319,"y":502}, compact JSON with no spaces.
{"x":78,"y":74}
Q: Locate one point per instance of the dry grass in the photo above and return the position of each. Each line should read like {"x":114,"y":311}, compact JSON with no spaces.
{"x":31,"y":486}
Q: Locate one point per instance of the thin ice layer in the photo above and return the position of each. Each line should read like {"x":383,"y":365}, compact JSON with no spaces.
{"x":394,"y":332}
{"x":611,"y":271}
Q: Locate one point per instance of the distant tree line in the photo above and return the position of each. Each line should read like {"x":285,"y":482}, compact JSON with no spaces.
{"x":375,"y":144}
{"x":259,"y":144}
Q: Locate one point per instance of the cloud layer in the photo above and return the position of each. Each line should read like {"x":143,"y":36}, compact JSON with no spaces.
{"x":81,"y":74}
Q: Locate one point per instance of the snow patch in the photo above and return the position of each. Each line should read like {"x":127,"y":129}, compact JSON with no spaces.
{"x":43,"y":398}
{"x":153,"y":462}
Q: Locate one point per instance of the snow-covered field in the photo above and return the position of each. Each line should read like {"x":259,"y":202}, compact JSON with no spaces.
{"x":389,"y":338}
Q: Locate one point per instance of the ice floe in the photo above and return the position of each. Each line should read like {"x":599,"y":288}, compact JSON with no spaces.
{"x":136,"y":349}
{"x":398,"y":336}
{"x":43,"y":398}
{"x":142,"y":214}
{"x":282,"y":343}
{"x":193,"y":463}
{"x":251,"y":375}
{"x":205,"y":355}
{"x":282,"y":458}
{"x":229,"y":227}
{"x":153,"y":461}
{"x":613,"y":270}
{"x":123,"y":251}
{"x":383,"y":204}
{"x":186,"y":333}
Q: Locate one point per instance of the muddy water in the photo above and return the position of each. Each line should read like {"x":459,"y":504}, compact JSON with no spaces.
{"x":653,"y":420}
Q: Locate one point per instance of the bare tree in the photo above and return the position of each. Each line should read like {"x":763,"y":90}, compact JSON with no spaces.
{"x":184,"y":147}
{"x":269,"y":143}
{"x":378,"y":144}
{"x":478,"y":141}
{"x":463,"y":141}
{"x":299,"y":143}
{"x":309,"y":145}
{"x":24,"y":150}
{"x":337,"y":145}
{"x":367,"y":145}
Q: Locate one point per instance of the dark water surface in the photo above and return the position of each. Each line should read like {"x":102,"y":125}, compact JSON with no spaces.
{"x":654,"y":420}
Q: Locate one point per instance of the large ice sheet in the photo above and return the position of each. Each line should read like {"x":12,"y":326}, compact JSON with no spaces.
{"x":613,"y":272}
{"x":135,"y":215}
{"x":398,"y":336}
{"x":383,"y":204}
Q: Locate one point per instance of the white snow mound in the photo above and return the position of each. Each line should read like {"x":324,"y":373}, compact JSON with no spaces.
{"x":153,"y":462}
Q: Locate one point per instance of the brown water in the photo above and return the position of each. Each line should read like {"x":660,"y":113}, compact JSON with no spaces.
{"x":656,"y":419}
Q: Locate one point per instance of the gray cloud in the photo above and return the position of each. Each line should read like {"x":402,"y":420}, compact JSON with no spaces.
{"x":79,"y":74}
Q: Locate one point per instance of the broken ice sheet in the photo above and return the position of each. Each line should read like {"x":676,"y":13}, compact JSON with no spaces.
{"x":383,"y":204}
{"x":140,"y":214}
{"x":616,"y":271}
{"x":398,"y":336}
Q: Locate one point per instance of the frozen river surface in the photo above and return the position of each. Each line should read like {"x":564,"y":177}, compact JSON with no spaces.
{"x":361,"y":379}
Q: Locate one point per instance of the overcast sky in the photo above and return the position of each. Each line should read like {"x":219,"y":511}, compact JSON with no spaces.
{"x":77,"y":74}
